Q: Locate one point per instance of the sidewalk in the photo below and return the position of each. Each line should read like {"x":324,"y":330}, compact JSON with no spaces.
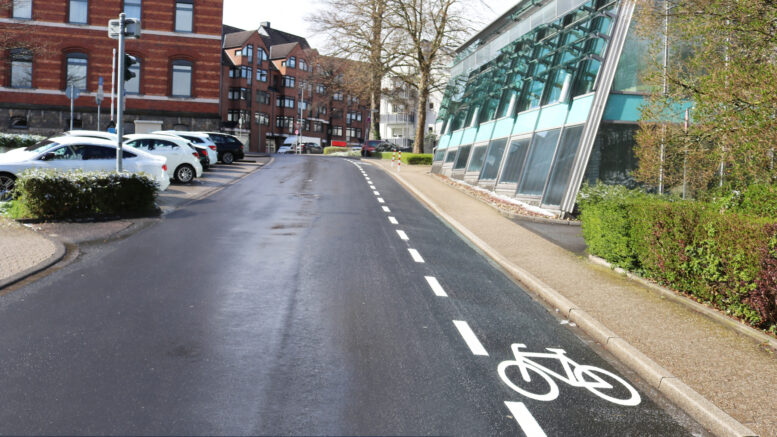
{"x":23,"y":251}
{"x":730,"y":370}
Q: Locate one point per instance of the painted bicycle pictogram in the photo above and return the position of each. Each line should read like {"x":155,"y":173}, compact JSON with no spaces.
{"x":600,"y":382}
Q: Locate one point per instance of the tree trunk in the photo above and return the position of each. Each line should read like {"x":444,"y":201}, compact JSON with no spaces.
{"x":376,"y":69}
{"x":420,"y":120}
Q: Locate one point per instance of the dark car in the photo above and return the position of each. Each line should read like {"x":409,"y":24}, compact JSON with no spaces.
{"x":371,"y":146}
{"x":312,"y":148}
{"x":229,"y":148}
{"x":202,"y":153}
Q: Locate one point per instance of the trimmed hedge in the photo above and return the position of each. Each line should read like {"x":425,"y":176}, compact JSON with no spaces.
{"x":723,"y":257}
{"x":341,"y":151}
{"x":79,"y":194}
{"x":410,"y":158}
{"x":13,"y":141}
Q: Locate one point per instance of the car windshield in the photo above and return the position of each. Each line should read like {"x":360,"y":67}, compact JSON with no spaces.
{"x":41,"y":146}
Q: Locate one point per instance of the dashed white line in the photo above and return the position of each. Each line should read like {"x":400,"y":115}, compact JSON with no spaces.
{"x":386,"y":209}
{"x":469,"y":337}
{"x":416,"y":256}
{"x":525,"y":420}
{"x":380,"y":200}
{"x":393,"y":220}
{"x":377,"y":193}
{"x":402,"y":235}
{"x":372,"y":187}
{"x":436,"y":287}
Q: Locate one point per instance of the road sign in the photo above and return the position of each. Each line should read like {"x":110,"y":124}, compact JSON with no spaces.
{"x":100,"y":93}
{"x":72,"y":92}
{"x":131,"y":28}
{"x":296,"y":131}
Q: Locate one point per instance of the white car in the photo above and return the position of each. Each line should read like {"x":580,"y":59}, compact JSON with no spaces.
{"x":77,"y":153}
{"x":92,"y":134}
{"x":183,"y":162}
{"x":286,"y":148}
{"x":198,"y":139}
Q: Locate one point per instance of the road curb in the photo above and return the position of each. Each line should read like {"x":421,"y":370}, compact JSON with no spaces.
{"x":695,"y":405}
{"x":700,"y":308}
{"x":59,"y":252}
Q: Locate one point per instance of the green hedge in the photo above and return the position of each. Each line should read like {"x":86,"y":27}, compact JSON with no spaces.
{"x":79,"y":194}
{"x":410,"y":158}
{"x":723,"y":257}
{"x":13,"y":141}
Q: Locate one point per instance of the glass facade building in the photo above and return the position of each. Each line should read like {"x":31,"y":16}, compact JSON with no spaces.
{"x":542,"y":99}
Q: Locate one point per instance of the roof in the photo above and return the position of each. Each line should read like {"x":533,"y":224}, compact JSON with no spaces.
{"x":281,"y":51}
{"x":237,"y":39}
{"x":225,"y":29}
{"x":274,"y":37}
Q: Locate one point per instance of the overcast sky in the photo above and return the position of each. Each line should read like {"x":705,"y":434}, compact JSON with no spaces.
{"x":289,"y":15}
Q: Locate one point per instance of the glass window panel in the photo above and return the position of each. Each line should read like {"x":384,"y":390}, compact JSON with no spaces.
{"x":461,"y":160}
{"x":439,"y":155}
{"x":77,"y":70}
{"x":22,"y":9}
{"x":562,"y":165}
{"x":476,"y":163}
{"x":79,"y":11}
{"x":184,"y":17}
{"x":538,"y":165}
{"x":21,"y":69}
{"x":182,"y":80}
{"x":493,"y":159}
{"x":516,"y":155}
{"x":450,"y":156}
{"x":132,"y":8}
{"x":612,"y":157}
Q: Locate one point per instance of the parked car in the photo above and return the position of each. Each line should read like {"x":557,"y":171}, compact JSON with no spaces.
{"x":197,"y":139}
{"x":371,"y":146}
{"x":286,"y":148}
{"x":92,"y":134}
{"x":183,"y":161}
{"x":74,"y":153}
{"x":312,"y":148}
{"x":230,"y":148}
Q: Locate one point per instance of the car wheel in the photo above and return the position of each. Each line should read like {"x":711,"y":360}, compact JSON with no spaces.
{"x":184,"y":173}
{"x":7,"y":182}
{"x":227,"y":158}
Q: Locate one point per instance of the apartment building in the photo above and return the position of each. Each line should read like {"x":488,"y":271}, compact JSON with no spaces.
{"x":276,"y":86}
{"x":177,"y":77}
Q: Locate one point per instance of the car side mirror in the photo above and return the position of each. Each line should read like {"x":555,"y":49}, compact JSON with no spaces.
{"x":48,"y":156}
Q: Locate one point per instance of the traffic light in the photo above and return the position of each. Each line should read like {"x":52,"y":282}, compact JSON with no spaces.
{"x":129,"y":61}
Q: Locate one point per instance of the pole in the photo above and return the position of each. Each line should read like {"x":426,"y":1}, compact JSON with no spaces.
{"x":685,"y":157}
{"x":120,"y":95}
{"x":98,"y":116}
{"x":72,"y":99}
{"x":666,"y":90}
{"x":113,"y":80}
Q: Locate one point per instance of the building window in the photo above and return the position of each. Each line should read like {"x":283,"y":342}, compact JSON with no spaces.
{"x":322,"y":110}
{"x":284,"y":102}
{"x":337,"y":131}
{"x":19,"y":122}
{"x":184,"y":16}
{"x":353,"y":100}
{"x":21,"y":68}
{"x":263,"y":119}
{"x":239,"y":93}
{"x":79,"y":11}
{"x":263,"y":97}
{"x":288,"y":81}
{"x":261,"y":55}
{"x":303,"y":105}
{"x":133,"y":85}
{"x":292,"y":62}
{"x":234,"y":73}
{"x":22,"y":9}
{"x":354,"y":116}
{"x":248,"y":52}
{"x":77,"y":70}
{"x":353,"y":132}
{"x":238,"y":116}
{"x":338,"y":96}
{"x":318,"y":126}
{"x":303,"y":65}
{"x":284,"y":122}
{"x":133,"y":8}
{"x":321,"y":89}
{"x":261,"y":75}
{"x":247,"y":73}
{"x":182,"y":79}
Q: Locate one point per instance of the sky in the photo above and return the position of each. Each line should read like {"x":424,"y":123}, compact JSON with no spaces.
{"x":289,"y":15}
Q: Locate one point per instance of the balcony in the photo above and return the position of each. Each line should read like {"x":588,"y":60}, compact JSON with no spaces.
{"x":399,"y":118}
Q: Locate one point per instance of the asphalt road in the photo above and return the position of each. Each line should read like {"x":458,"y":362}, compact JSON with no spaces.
{"x":289,"y":303}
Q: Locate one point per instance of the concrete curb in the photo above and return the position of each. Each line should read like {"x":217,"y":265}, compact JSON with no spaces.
{"x":711,"y":313}
{"x":698,"y":407}
{"x":59,"y":253}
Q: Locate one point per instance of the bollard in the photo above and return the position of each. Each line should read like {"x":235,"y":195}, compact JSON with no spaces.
{"x":393,"y":158}
{"x":399,"y":162}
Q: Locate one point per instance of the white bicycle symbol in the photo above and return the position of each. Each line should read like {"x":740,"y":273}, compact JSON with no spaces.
{"x":576,"y":375}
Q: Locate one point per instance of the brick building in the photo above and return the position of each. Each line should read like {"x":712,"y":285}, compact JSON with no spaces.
{"x":178,"y":73}
{"x":273,"y":79}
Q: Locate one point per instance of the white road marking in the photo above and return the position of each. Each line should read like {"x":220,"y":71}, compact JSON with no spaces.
{"x":403,"y":235}
{"x":386,"y":209}
{"x":436,"y":287}
{"x":372,"y":187}
{"x":470,"y":338}
{"x":416,"y":256}
{"x":376,"y":193}
{"x":525,"y":420}
{"x":393,"y":220}
{"x":380,"y":200}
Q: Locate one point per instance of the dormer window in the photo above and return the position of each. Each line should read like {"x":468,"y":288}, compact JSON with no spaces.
{"x":292,"y":63}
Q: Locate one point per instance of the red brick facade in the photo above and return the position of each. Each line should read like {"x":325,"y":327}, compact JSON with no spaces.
{"x":44,"y":104}
{"x":266,"y":106}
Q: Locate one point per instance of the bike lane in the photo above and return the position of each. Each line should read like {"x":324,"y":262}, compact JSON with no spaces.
{"x":576,"y":389}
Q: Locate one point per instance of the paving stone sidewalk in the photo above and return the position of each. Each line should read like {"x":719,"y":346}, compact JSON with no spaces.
{"x":21,"y":249}
{"x":733,"y":371}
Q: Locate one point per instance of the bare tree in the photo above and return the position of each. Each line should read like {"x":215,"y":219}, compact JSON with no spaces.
{"x":18,"y":35}
{"x":431,"y":30}
{"x":358,"y":30}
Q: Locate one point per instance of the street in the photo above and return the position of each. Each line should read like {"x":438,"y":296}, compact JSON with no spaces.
{"x":315,"y":296}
